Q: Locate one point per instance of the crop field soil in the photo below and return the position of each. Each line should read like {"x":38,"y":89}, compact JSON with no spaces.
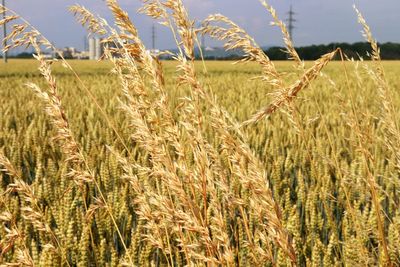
{"x":132,"y":161}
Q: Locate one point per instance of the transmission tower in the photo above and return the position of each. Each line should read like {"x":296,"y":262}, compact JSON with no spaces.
{"x":202,"y":37}
{"x":153,"y":37}
{"x":3,"y":2}
{"x":291,"y":20}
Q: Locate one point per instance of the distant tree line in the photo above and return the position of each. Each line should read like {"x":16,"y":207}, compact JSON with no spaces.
{"x":22,"y":55}
{"x":389,"y":51}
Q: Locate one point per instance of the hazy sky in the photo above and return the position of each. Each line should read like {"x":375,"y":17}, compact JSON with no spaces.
{"x":318,"y":21}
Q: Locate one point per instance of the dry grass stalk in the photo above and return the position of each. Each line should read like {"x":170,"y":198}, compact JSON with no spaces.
{"x":25,"y":35}
{"x":80,"y":171}
{"x":79,"y":168}
{"x":8,"y":19}
{"x":283,"y":241}
{"x":190,"y":78}
{"x":7,"y":166}
{"x":85,"y":17}
{"x":237,"y":38}
{"x":286,"y":95}
{"x":362,"y":144}
{"x":285,"y":246}
{"x":149,"y":140}
{"x":13,"y":234}
{"x":290,"y":50}
{"x":64,"y":134}
{"x":24,"y":258}
{"x":31,"y":212}
{"x":174,"y":15}
{"x":254,"y":179}
{"x":140,"y":120}
{"x":135,"y":110}
{"x":392,"y":131}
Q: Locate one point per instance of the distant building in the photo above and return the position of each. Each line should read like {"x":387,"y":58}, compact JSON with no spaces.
{"x":92,"y":48}
{"x":155,"y":51}
{"x":99,"y":49}
{"x":96,"y":48}
{"x":48,"y":56}
{"x":68,"y":52}
{"x":82,"y":55}
{"x":71,"y":53}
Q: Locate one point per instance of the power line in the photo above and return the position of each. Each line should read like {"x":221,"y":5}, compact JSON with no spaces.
{"x":4,"y":32}
{"x":203,"y":41}
{"x":153,"y":36}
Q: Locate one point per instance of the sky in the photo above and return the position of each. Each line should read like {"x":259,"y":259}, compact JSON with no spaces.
{"x":317,"y":21}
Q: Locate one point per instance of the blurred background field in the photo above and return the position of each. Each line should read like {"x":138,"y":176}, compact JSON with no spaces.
{"x":310,"y":157}
{"x":234,"y":85}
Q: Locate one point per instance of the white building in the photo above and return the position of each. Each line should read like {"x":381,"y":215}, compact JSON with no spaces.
{"x":96,"y":48}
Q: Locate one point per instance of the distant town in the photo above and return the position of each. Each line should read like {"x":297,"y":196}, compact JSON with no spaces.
{"x":96,"y":47}
{"x":95,"y":50}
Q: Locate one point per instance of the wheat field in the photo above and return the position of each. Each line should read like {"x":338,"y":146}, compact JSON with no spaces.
{"x":132,"y":161}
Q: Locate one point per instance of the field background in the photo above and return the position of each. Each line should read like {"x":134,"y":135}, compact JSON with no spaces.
{"x":311,"y":155}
